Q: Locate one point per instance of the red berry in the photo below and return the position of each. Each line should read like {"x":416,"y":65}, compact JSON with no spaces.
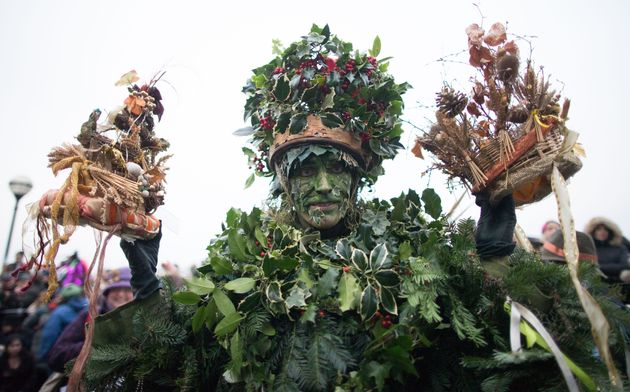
{"x":378,"y":314}
{"x":386,"y":323}
{"x":322,"y":313}
{"x":262,"y":254}
{"x":346,"y":269}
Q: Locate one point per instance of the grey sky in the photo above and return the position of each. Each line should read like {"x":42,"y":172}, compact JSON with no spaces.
{"x":60,"y":60}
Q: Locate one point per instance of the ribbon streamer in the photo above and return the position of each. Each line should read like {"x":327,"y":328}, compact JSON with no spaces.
{"x":599,"y":325}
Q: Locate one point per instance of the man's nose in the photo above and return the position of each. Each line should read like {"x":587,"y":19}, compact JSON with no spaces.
{"x":323,"y":185}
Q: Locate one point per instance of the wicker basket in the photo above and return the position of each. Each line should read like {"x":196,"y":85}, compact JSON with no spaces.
{"x":526,"y":174}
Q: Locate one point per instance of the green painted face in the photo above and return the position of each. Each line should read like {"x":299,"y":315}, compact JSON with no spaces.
{"x":321,"y":188}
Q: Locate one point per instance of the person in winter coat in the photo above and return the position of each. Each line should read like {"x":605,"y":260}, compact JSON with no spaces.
{"x":73,"y":302}
{"x":613,"y":257}
{"x":16,"y":367}
{"x":117,"y":292}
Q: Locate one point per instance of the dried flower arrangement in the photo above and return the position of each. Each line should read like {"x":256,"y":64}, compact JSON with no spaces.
{"x":115,"y":184}
{"x":506,"y":134}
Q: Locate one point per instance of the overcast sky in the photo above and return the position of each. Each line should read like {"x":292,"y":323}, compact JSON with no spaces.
{"x":60,"y":60}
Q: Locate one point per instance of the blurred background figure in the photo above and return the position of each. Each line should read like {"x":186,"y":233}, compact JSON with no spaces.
{"x":612,"y":254}
{"x":553,"y":248}
{"x":550,"y":227}
{"x":18,"y":261}
{"x":17,"y":367}
{"x":72,"y":302}
{"x":116,"y":292}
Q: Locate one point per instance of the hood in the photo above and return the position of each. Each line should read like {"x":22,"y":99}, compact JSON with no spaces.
{"x":612,"y":226}
{"x":77,"y":303}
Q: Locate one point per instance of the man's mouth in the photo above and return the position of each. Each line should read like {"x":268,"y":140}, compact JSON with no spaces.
{"x":324,"y":206}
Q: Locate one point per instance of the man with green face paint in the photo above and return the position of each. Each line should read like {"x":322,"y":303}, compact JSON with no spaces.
{"x":325,"y":291}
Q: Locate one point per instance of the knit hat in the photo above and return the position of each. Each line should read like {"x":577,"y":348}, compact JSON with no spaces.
{"x":70,"y":290}
{"x":120,"y":277}
{"x":553,"y":250}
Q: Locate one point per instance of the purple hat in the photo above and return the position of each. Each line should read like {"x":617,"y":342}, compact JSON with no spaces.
{"x":120,"y":277}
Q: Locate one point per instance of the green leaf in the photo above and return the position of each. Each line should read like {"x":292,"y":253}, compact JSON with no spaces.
{"x":369,"y":302}
{"x":259,"y":80}
{"x":198,"y":319}
{"x":281,"y":89}
{"x":327,"y":282}
{"x":186,"y":297}
{"x":250,"y":302}
{"x":398,"y":213}
{"x":331,"y":120}
{"x":388,"y":301}
{"x":376,"y":47}
{"x":309,"y":314}
{"x":236,"y":353}
{"x":221,"y":266}
{"x":387,"y":277}
{"x":298,"y":123}
{"x":250,"y":180}
{"x":251,"y":154}
{"x":395,"y":108}
{"x":271,"y":264}
{"x":348,"y":292}
{"x":238,"y":246}
{"x":268,"y":330}
{"x":297,"y":297}
{"x":283,"y":122}
{"x":343,"y":249}
{"x":240,"y":285}
{"x":274,"y":292}
{"x":228,"y":324}
{"x":432,"y":203}
{"x":223,"y":302}
{"x":210,"y":314}
{"x":359,"y":259}
{"x":404,"y":251}
{"x":260,"y":236}
{"x":378,"y":257}
{"x":379,"y":372}
{"x":329,"y":100}
{"x":200,"y":286}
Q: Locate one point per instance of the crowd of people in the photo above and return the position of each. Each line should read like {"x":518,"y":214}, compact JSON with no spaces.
{"x":38,"y":337}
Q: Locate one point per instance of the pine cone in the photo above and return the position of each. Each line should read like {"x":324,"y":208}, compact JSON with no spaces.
{"x":451,"y":102}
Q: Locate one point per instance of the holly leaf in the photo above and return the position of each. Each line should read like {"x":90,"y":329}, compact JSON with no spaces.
{"x":343,"y":249}
{"x":223,"y":302}
{"x":329,"y":100}
{"x":328,"y":282}
{"x":331,"y":120}
{"x":387,"y":277}
{"x":380,"y":373}
{"x":432,"y":203}
{"x":238,"y":245}
{"x":220,"y":265}
{"x":274,"y":292}
{"x":404,"y":251}
{"x":297,"y":124}
{"x":281,"y":89}
{"x":348,"y":290}
{"x":240,"y":285}
{"x":378,"y":257}
{"x":186,"y":297}
{"x":245,"y":131}
{"x":388,"y":301}
{"x":297,"y":297}
{"x":369,"y":302}
{"x":228,"y":324}
{"x":359,"y":259}
{"x":250,"y":302}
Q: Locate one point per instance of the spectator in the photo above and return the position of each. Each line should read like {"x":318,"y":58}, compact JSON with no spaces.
{"x":553,"y":248}
{"x":612,"y":255}
{"x":17,"y":263}
{"x":16,"y":367}
{"x":72,"y":303}
{"x":117,"y":292}
{"x":548,"y":229}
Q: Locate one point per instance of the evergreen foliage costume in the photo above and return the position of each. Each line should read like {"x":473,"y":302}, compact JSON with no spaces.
{"x":385,"y":295}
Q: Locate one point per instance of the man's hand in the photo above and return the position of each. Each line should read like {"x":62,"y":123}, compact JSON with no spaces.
{"x":495,"y":229}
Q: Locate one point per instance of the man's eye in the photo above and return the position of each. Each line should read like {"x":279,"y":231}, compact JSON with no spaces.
{"x":306,"y":171}
{"x":336,"y":168}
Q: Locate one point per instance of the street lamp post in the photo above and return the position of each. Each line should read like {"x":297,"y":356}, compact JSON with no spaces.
{"x":20,"y":186}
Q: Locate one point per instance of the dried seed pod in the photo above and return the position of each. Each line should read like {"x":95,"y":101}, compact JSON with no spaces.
{"x":507,"y":68}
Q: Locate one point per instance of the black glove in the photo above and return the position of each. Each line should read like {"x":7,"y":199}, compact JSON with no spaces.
{"x":142,"y":256}
{"x":495,"y":229}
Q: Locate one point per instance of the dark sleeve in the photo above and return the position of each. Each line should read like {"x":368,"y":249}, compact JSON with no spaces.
{"x":495,"y":229}
{"x":142,"y":256}
{"x":69,"y":344}
{"x":614,"y":265}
